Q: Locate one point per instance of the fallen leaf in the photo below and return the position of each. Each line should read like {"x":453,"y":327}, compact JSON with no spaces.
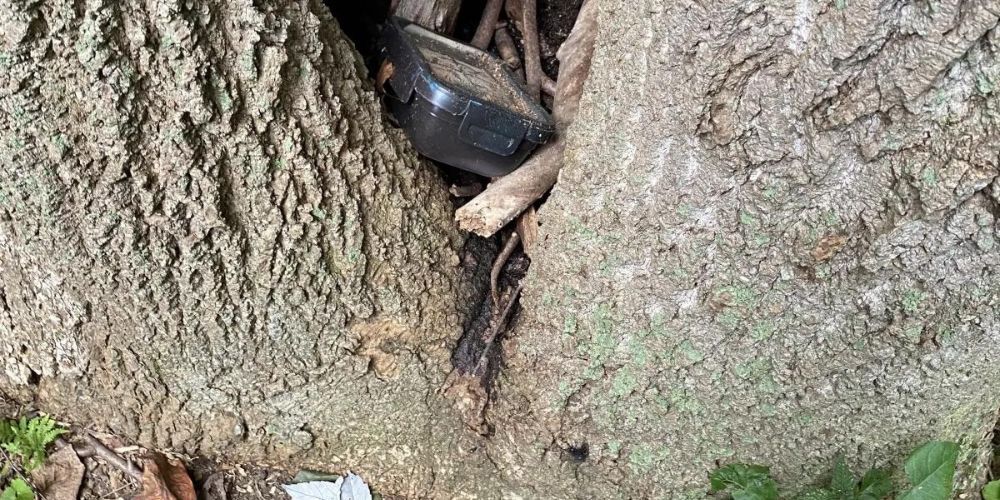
{"x":165,"y":479}
{"x":60,"y":477}
{"x":308,"y":476}
{"x":384,"y":74}
{"x":354,"y":488}
{"x":315,"y":490}
{"x":349,"y":487}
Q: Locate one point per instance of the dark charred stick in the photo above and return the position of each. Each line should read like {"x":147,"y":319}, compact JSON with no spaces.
{"x":466,"y":191}
{"x":513,"y":8}
{"x":487,"y":24}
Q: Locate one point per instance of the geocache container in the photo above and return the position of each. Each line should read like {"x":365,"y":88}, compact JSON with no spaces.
{"x":458,"y":104}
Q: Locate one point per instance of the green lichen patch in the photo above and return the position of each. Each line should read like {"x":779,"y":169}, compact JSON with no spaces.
{"x":912,"y":301}
{"x":689,"y":351}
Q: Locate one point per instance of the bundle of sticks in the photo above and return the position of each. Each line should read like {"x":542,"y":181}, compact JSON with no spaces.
{"x":508,"y":197}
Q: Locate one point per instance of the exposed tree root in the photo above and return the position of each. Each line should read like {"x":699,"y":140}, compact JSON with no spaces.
{"x":487,"y":24}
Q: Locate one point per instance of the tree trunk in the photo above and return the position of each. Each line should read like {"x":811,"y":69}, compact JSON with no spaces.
{"x":210,"y":241}
{"x":774,"y":240}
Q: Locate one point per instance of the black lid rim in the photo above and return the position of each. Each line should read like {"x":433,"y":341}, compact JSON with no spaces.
{"x":456,"y":101}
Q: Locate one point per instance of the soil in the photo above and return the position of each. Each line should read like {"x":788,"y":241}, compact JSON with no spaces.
{"x":555,"y":21}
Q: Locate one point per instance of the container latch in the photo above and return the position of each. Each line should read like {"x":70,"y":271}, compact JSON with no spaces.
{"x":494,"y":131}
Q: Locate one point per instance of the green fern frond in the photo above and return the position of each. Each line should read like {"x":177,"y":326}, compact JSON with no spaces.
{"x":27,"y":439}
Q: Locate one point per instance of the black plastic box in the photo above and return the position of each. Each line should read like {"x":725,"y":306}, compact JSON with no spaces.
{"x":458,"y":104}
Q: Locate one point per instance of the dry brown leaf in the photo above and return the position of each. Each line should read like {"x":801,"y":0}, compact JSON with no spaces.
{"x":828,"y":247}
{"x":384,"y":74}
{"x":165,"y":479}
{"x":60,"y":477}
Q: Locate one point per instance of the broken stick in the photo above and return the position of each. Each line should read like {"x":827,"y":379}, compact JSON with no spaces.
{"x":487,"y":24}
{"x":498,"y":265}
{"x":532,"y":53}
{"x":508,"y":51}
{"x":116,"y":460}
{"x":549,"y":86}
{"x":510,"y":195}
{"x":496,"y":328}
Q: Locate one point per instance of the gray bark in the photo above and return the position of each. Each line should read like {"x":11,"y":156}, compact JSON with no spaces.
{"x":210,"y":240}
{"x":774,"y":240}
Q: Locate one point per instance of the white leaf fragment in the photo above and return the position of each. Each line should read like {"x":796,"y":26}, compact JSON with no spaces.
{"x":349,"y":487}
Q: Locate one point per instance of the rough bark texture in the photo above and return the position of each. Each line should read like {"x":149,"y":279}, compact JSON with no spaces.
{"x":774,"y":240}
{"x":210,"y":241}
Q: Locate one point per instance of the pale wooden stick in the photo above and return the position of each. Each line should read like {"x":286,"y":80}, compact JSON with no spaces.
{"x":508,"y":51}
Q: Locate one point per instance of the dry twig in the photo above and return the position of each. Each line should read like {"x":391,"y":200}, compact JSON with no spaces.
{"x":497,"y":327}
{"x":508,"y":51}
{"x":548,"y":85}
{"x":487,"y":24}
{"x":465,"y":190}
{"x":532,"y":54}
{"x":498,"y":264}
{"x":111,"y":457}
{"x":436,"y":15}
{"x":527,"y":227}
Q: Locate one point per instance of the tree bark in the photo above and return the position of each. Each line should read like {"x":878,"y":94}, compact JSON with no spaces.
{"x":774,"y":240}
{"x":211,"y":241}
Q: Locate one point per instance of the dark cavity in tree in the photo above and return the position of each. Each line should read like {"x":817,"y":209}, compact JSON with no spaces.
{"x":362,"y":21}
{"x":555,"y":21}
